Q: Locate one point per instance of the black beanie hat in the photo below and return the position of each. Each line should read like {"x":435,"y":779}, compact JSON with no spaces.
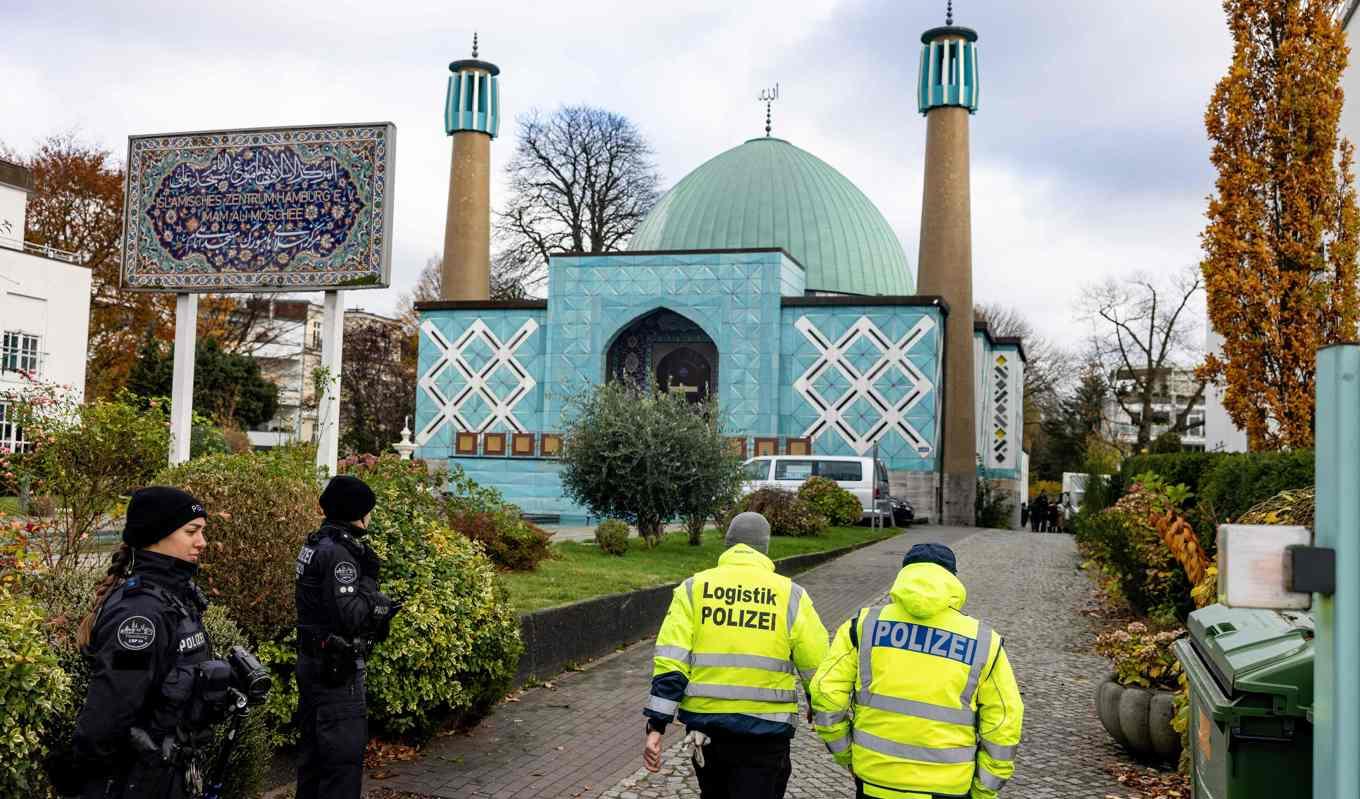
{"x":939,"y":554}
{"x":157,"y":511}
{"x":347,"y":499}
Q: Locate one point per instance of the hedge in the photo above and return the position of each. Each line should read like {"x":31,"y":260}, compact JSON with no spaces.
{"x":1230,"y":483}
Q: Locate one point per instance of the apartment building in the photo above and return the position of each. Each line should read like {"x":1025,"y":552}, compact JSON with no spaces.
{"x":44,"y":308}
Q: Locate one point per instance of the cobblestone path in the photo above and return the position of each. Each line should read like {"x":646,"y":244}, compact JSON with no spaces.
{"x":582,"y":737}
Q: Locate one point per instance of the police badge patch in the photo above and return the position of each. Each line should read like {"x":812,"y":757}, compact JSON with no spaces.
{"x":136,"y":633}
{"x":345,"y":572}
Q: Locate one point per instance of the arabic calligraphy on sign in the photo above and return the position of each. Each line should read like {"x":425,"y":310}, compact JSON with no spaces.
{"x":255,"y":208}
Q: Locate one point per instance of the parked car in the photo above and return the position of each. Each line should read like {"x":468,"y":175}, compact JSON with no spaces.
{"x":866,"y":478}
{"x":903,"y":514}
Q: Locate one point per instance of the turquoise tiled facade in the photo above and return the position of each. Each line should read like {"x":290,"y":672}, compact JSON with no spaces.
{"x":483,"y":381}
{"x":880,"y":382}
{"x":846,"y":372}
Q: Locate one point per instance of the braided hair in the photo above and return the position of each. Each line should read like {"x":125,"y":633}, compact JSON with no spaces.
{"x":120,"y":566}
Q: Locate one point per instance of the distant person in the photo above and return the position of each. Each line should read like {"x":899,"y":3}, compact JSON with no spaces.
{"x":1024,"y":515}
{"x":916,"y":698}
{"x":1038,"y":514}
{"x":735,"y":646}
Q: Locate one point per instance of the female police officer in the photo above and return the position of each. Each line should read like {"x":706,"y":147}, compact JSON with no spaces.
{"x":144,"y":637}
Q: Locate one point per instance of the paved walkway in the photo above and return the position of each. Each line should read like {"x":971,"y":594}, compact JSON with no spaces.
{"x":582,"y":735}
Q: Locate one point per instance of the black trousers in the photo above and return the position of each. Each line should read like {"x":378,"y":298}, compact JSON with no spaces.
{"x":334,"y":722}
{"x":144,"y":780}
{"x":745,"y":767}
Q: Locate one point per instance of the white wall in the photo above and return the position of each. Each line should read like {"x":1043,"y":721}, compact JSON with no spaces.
{"x":50,"y":298}
{"x":12,"y":206}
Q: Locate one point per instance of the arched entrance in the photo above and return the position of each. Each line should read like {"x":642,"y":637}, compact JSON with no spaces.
{"x":666,"y":350}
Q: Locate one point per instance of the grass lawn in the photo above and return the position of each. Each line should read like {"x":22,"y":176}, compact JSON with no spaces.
{"x":580,"y":571}
{"x":9,"y":505}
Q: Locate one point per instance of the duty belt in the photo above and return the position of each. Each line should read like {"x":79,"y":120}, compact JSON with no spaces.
{"x":315,"y":643}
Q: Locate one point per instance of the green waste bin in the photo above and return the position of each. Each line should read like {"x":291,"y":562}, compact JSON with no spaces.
{"x":1251,"y":694}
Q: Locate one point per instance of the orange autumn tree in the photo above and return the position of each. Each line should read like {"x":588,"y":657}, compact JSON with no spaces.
{"x":77,"y":206}
{"x":1280,"y":246}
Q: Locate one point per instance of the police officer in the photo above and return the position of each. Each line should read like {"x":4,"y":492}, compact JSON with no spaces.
{"x":147,"y":709}
{"x":341,"y":614}
{"x":937,"y":711}
{"x":731,"y":652}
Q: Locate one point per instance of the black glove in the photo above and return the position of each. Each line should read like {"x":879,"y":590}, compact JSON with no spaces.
{"x":384,"y":610}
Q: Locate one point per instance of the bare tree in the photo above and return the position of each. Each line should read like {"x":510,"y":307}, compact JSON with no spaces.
{"x":507,"y":283}
{"x":379,"y":395}
{"x":581,"y":180}
{"x":1143,"y":334}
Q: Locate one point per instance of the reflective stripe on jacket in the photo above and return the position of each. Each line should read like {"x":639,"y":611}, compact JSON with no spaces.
{"x":736,"y":643}
{"x":935,"y":705}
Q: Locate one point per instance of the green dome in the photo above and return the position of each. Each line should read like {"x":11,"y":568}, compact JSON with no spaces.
{"x":768,"y":193}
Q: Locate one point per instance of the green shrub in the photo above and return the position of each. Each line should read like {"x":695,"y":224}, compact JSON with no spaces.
{"x":34,"y":695}
{"x":1143,"y":568}
{"x":261,"y":507}
{"x":1189,"y":468}
{"x":646,"y":457}
{"x":1142,"y":656}
{"x":510,"y":541}
{"x":478,"y":512}
{"x":454,"y":647}
{"x":1165,"y":444}
{"x":1241,"y":480}
{"x":85,"y":458}
{"x":840,"y":507}
{"x":611,"y":535}
{"x":787,"y":513}
{"x":991,"y":506}
{"x":279,"y":710}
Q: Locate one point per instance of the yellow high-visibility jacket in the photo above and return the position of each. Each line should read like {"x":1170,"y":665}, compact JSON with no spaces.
{"x":736,"y":642}
{"x":918,"y":698}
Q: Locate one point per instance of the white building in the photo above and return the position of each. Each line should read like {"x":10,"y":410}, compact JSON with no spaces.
{"x":44,"y":307}
{"x":288,"y":333}
{"x":1172,"y":392}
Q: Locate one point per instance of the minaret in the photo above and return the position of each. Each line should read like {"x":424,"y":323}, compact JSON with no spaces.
{"x":472,"y":118}
{"x":947,"y":95}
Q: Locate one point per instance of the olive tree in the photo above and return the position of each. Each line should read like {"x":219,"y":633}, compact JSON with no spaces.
{"x":646,"y":457}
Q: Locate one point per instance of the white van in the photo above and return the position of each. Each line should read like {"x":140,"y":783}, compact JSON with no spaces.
{"x":866,"y":478}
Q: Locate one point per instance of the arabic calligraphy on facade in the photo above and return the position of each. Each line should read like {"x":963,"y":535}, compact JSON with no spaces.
{"x":255,"y":208}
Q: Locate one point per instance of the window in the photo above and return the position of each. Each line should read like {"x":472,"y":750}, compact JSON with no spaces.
{"x":792,"y":470}
{"x":11,"y":437}
{"x":841,"y":471}
{"x":316,"y":333}
{"x":18,"y":352}
{"x":757,"y":470}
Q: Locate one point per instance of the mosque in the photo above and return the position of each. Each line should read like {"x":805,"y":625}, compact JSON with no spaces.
{"x":765,"y":277}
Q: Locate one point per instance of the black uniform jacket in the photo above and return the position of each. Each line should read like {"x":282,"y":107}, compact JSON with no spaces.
{"x":146,"y":641}
{"x":337,"y":584}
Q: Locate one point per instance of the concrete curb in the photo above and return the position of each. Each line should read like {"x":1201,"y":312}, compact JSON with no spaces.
{"x":556,"y":638}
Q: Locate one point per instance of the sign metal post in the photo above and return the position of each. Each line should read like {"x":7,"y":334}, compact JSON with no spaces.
{"x":328,"y":411}
{"x":182,"y":384}
{"x":1336,"y":693}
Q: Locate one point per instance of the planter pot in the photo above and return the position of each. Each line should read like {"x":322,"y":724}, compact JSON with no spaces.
{"x":1139,"y":719}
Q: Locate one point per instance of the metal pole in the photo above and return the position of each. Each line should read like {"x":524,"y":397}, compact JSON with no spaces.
{"x":328,"y":410}
{"x":1336,"y":693}
{"x":182,"y":385}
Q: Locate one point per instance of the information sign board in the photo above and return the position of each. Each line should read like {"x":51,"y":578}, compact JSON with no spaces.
{"x":260,"y":210}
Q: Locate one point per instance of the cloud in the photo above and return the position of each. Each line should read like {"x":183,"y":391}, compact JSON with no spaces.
{"x":1089,"y":152}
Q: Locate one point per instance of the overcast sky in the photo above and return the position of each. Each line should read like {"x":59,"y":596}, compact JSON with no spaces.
{"x":1089,"y":154}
